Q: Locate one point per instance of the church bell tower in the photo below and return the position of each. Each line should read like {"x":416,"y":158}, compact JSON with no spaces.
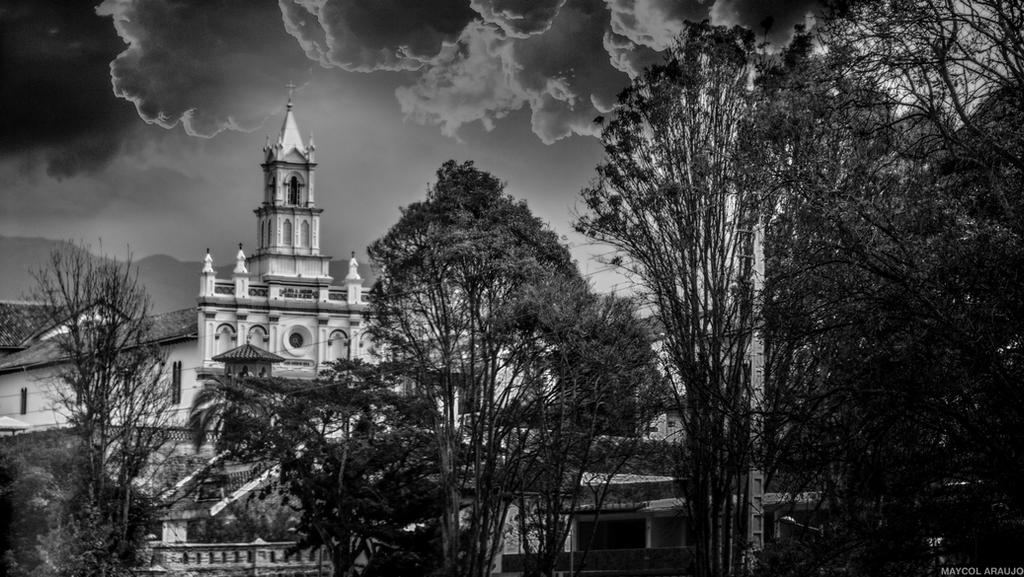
{"x":289,"y":221}
{"x":280,"y":299}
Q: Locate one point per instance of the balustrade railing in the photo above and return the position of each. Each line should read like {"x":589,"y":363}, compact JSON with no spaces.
{"x":258,"y":557}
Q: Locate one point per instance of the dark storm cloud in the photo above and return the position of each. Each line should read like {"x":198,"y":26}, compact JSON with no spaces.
{"x":519,"y":18}
{"x":569,"y":89}
{"x":217,"y":66}
{"x":566,"y":60}
{"x":381,"y":35}
{"x":563,"y":75}
{"x":56,"y":104}
{"x":209,"y":66}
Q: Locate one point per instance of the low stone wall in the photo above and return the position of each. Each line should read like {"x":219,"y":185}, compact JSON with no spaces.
{"x":237,"y":559}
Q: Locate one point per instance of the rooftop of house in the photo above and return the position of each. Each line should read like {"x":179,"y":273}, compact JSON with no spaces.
{"x":172,"y":326}
{"x":19,"y":320}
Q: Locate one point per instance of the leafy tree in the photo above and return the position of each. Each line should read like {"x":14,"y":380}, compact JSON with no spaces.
{"x":352,"y":456}
{"x":951,"y":72}
{"x":242,"y":521}
{"x":891,"y":293}
{"x":672,"y":198}
{"x":598,"y":387}
{"x":451,"y":272}
{"x":36,"y":481}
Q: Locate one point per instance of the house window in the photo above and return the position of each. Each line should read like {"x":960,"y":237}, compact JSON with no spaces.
{"x":176,"y":382}
{"x":24,"y":400}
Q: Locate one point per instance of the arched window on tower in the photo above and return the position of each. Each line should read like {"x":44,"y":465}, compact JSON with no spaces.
{"x":337,"y":346}
{"x":257,"y":336}
{"x":304,"y":236}
{"x":287,"y":233}
{"x":225,"y":339}
{"x":293,"y":190}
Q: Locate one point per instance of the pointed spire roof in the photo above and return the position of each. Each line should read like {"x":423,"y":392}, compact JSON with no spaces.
{"x":290,"y":137}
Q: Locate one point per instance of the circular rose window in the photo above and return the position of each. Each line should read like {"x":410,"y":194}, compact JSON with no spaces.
{"x":297,"y":341}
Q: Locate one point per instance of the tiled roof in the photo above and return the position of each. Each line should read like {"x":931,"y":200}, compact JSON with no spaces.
{"x":166,"y":326}
{"x":175,"y":324}
{"x":248,"y":352}
{"x":18,"y":321}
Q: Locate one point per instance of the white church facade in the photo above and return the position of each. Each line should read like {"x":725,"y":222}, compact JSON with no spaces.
{"x":281,"y":298}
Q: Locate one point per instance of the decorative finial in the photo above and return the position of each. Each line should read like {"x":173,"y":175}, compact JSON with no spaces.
{"x":208,"y":263}
{"x":353,"y":268}
{"x":291,"y":88}
{"x":240,"y":261}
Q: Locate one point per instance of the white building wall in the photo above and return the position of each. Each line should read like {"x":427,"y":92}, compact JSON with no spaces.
{"x":40,"y":410}
{"x":41,"y":383}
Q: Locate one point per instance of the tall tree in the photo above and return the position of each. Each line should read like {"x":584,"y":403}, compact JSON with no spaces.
{"x":452,"y":270}
{"x":596,"y":377}
{"x":671,"y":198}
{"x":111,"y":387}
{"x":894,"y":254}
{"x":951,"y":71}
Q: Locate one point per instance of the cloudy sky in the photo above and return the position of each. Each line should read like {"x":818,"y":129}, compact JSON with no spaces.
{"x":141,"y":122}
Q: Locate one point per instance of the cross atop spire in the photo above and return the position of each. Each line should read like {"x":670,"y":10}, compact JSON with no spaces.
{"x":291,"y":89}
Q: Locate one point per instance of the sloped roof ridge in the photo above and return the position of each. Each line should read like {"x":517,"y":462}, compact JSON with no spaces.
{"x":248,"y":352}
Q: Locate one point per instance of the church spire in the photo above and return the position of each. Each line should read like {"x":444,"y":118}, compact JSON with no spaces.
{"x":290,"y":137}
{"x":288,"y":220}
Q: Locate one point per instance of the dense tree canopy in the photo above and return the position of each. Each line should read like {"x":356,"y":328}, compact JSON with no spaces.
{"x":351,"y":454}
{"x":497,"y":331}
{"x":884,"y":172}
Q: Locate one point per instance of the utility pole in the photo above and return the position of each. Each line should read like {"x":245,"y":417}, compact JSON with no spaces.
{"x":755,"y":358}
